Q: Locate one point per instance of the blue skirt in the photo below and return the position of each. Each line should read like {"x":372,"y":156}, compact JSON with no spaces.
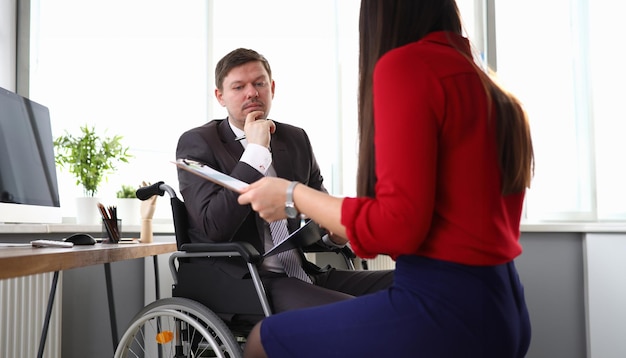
{"x":434,"y":309}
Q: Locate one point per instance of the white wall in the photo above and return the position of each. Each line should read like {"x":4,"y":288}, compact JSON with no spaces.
{"x":605,"y":272}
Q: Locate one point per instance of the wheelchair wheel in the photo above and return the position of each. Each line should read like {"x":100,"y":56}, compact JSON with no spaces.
{"x":177,"y":327}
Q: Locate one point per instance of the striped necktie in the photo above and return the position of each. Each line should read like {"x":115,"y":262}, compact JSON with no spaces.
{"x":289,"y":258}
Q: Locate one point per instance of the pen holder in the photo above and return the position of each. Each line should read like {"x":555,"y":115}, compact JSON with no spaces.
{"x":111,"y":231}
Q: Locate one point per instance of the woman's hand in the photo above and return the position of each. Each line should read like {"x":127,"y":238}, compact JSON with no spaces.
{"x":267,"y":197}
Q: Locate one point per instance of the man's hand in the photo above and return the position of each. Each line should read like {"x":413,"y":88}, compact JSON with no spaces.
{"x":258,"y":130}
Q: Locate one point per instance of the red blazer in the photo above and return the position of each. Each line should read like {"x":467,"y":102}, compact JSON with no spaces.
{"x":438,"y":189}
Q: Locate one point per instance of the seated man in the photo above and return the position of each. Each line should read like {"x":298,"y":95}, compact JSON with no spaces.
{"x":248,"y":146}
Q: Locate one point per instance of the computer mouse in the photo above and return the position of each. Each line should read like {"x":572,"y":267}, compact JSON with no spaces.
{"x":81,"y":239}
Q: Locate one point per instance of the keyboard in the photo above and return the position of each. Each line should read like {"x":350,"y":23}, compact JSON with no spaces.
{"x":51,"y":243}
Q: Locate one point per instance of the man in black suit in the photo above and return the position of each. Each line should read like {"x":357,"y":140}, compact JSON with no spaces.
{"x":245,"y":88}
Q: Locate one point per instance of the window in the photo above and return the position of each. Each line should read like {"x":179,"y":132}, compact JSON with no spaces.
{"x":314,"y":65}
{"x":135,"y":68}
{"x":557,"y":57}
{"x":144,"y":69}
{"x":608,"y":114}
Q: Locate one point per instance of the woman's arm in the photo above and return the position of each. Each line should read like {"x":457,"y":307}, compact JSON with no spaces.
{"x":268,"y":196}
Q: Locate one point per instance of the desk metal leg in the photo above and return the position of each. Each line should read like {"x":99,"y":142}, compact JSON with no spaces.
{"x":157,"y":288}
{"x":157,"y":285}
{"x":46,"y":322}
{"x":112,"y":318}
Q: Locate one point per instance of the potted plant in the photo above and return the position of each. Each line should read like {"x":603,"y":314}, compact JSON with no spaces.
{"x":89,"y":158}
{"x":126,"y":192}
{"x":128,"y":205}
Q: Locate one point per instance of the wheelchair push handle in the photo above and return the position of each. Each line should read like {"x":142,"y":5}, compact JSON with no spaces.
{"x":158,"y":188}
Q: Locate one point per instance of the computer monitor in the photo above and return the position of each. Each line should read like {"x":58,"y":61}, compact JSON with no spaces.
{"x":28,"y":182}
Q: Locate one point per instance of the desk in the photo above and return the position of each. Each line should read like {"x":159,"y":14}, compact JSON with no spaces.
{"x":24,"y":261}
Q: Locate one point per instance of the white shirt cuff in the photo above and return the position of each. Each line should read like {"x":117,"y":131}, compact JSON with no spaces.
{"x":258,"y":157}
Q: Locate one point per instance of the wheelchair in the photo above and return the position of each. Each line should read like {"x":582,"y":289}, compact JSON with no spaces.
{"x":197,"y":321}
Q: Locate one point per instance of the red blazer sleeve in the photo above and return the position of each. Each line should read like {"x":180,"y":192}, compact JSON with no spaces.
{"x":407,"y":102}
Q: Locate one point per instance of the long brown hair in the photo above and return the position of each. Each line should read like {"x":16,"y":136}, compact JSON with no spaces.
{"x":385,"y":25}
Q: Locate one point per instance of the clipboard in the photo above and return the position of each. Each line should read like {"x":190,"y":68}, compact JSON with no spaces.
{"x":211,"y":174}
{"x":306,"y":235}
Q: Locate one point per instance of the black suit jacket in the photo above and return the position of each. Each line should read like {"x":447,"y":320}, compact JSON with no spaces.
{"x":214,"y":213}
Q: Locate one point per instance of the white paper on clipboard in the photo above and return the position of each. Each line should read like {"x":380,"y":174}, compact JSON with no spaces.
{"x":211,"y":174}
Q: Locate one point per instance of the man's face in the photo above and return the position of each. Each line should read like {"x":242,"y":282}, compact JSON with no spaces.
{"x":247,"y":88}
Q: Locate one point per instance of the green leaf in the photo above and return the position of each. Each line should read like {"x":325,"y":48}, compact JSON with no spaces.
{"x":90,"y":157}
{"x":127,"y":192}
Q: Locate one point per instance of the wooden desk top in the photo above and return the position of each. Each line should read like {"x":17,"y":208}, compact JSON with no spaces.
{"x":24,"y":261}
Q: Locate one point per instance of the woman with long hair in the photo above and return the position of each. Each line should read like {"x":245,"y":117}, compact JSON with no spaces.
{"x":445,"y":157}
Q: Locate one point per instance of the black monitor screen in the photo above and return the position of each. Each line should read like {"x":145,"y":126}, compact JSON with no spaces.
{"x":27,"y":168}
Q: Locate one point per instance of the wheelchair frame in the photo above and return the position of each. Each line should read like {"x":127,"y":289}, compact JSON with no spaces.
{"x":183,"y":327}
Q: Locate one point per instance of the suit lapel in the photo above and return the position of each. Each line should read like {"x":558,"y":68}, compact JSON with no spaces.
{"x":280,"y":155}
{"x":233,"y":147}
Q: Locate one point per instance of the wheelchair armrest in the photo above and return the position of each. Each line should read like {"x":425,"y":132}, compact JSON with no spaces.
{"x":245,"y":249}
{"x":319,"y":246}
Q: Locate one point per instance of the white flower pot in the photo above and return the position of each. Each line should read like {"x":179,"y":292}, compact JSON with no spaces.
{"x":128,"y":209}
{"x":87,"y":212}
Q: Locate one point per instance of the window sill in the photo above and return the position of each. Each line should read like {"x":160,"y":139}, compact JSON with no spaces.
{"x":563,"y":226}
{"x":165,"y":227}
{"x":157,"y":228}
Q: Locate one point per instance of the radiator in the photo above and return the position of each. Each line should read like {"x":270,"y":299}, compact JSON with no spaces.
{"x":23,"y":303}
{"x":380,"y":262}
